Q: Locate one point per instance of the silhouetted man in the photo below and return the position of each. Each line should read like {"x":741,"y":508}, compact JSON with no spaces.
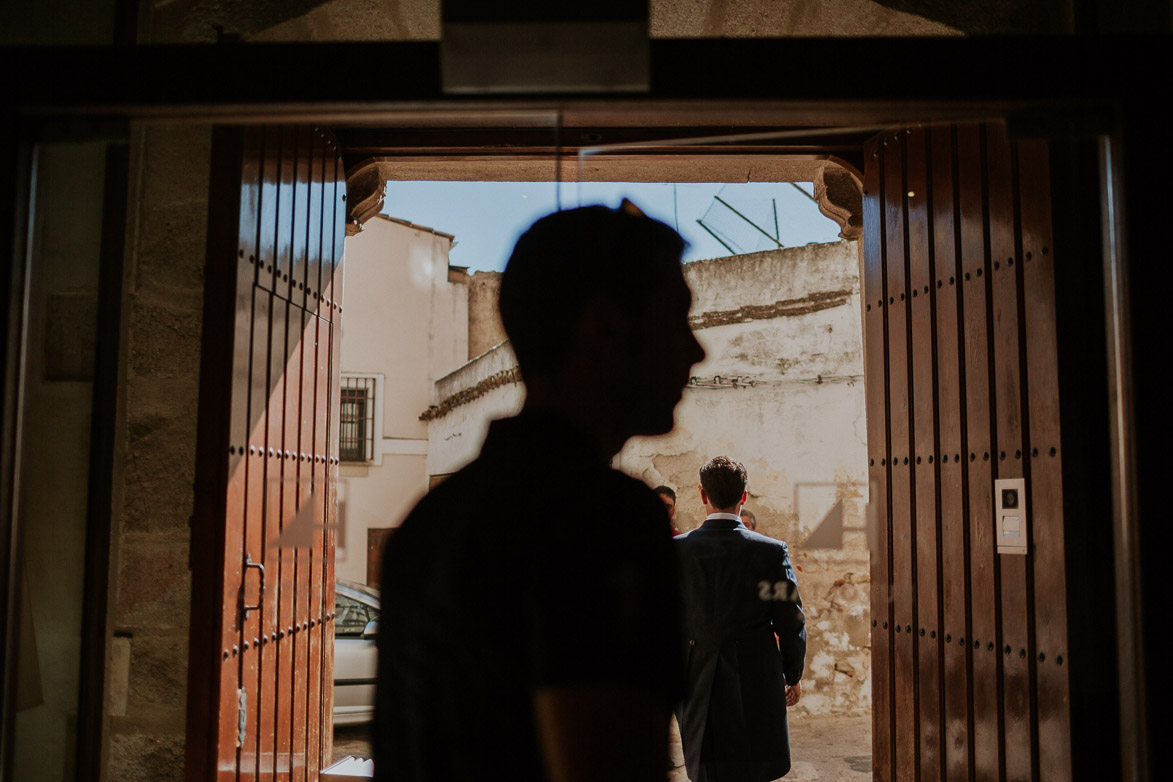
{"x":530,"y":602}
{"x":668,"y":497}
{"x":745,"y":640}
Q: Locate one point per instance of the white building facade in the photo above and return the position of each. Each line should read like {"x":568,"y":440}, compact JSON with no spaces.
{"x":405,"y":325}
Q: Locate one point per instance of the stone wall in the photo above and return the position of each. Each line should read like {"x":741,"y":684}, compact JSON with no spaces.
{"x":151,"y":595}
{"x":781,"y":390}
{"x":485,"y":330}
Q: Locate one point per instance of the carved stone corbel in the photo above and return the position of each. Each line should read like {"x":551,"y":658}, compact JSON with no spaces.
{"x":840,"y":197}
{"x":364,"y":195}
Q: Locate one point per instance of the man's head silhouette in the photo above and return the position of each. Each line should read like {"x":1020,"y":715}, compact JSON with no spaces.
{"x":596,"y":308}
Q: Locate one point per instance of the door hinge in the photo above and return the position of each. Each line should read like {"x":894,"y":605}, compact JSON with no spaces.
{"x":242,"y":715}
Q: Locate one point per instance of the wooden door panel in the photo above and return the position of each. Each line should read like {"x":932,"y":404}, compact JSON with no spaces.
{"x":236,"y":501}
{"x":954,"y":537}
{"x":286,"y":676}
{"x":961,"y":371}
{"x":253,"y":587}
{"x":267,"y":241}
{"x":926,"y":522}
{"x":331,"y":285}
{"x":319,"y":494}
{"x":303,"y":372}
{"x":1045,"y":487}
{"x":270,"y":697}
{"x":1014,"y":629}
{"x":287,"y":196}
{"x":978,"y":424}
{"x":875,"y":318}
{"x":902,"y":503}
{"x":265,"y":414}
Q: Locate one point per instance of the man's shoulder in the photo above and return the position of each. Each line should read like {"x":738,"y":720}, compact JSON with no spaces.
{"x":759,"y":539}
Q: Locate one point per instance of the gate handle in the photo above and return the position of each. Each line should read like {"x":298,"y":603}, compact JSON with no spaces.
{"x":248,"y":562}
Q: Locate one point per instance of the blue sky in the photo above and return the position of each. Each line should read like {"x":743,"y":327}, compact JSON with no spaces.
{"x":487,"y":217}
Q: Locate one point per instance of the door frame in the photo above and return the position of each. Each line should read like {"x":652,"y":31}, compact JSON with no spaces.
{"x":1085,"y":87}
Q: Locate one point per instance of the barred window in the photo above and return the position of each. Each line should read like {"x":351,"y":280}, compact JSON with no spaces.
{"x":357,"y":420}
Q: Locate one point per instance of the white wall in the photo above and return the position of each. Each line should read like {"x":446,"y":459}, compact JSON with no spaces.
{"x":789,"y":322}
{"x":455,"y":437}
{"x":405,"y":315}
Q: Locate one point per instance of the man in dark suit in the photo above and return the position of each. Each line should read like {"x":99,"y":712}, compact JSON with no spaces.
{"x":745,"y":640}
{"x":668,"y":497}
{"x":512,"y":646}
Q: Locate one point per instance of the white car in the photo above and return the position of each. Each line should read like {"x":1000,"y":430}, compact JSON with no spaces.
{"x":356,"y":608}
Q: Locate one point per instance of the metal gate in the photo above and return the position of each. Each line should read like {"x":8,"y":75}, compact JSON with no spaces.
{"x":969,"y":647}
{"x":260,"y":694}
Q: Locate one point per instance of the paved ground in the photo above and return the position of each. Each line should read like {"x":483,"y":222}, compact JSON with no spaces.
{"x":352,"y":740}
{"x":838,"y":749}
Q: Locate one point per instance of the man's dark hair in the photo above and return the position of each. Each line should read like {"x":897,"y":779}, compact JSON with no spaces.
{"x":567,"y":258}
{"x":724,"y":481}
{"x":664,"y":490}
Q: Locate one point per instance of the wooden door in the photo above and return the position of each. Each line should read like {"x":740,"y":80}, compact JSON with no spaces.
{"x":968,"y":646}
{"x":260,"y":689}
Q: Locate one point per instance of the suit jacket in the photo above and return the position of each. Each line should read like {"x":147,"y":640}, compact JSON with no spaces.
{"x":739,"y":590}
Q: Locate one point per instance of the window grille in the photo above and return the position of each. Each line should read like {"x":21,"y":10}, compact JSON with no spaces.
{"x":357,"y":420}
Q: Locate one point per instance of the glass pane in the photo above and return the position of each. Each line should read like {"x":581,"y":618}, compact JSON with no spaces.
{"x":352,"y":616}
{"x":61,"y":338}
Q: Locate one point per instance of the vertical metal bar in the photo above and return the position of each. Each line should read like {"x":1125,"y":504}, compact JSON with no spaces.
{"x":1133,"y":719}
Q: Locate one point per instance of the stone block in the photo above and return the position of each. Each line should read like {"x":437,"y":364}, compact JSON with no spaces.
{"x":165,"y":335}
{"x":144,"y":757}
{"x":154,"y":585}
{"x":118,"y":677}
{"x":160,"y":470}
{"x":177,"y":162}
{"x":171,"y":250}
{"x":173,"y":208}
{"x":158,"y":670}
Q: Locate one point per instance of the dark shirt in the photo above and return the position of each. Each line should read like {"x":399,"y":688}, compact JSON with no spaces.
{"x":535,"y":566}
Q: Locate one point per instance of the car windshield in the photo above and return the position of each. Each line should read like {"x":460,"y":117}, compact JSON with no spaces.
{"x":352,"y":615}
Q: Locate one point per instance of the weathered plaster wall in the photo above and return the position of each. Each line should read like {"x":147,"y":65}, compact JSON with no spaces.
{"x":465,"y":401}
{"x":781,"y":390}
{"x":405,"y":317}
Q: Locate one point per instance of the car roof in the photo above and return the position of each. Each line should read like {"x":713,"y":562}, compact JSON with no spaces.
{"x":362,"y":592}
